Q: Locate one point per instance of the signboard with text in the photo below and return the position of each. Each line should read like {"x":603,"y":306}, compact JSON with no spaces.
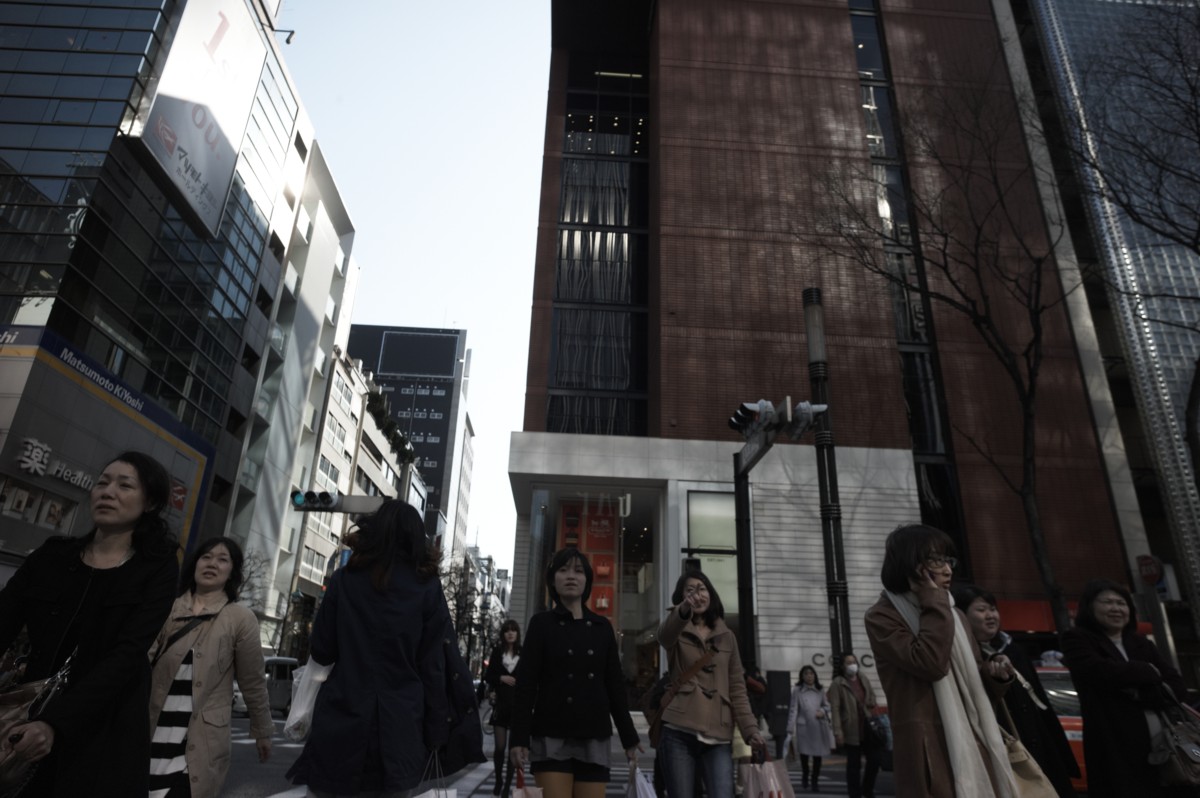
{"x":197,"y":118}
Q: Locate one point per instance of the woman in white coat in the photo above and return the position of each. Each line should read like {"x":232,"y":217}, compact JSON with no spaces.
{"x":810,"y":734}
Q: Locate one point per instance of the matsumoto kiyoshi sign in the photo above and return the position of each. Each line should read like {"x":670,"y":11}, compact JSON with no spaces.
{"x":198,"y":116}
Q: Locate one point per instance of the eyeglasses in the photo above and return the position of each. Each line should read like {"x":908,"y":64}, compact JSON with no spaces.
{"x":1113,"y":602}
{"x":695,"y":589}
{"x":937,"y":561}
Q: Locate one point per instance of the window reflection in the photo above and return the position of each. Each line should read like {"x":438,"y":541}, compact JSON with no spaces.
{"x":877,"y":114}
{"x":868,"y":48}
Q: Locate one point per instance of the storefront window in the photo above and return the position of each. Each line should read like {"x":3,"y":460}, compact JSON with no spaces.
{"x":710,"y":545}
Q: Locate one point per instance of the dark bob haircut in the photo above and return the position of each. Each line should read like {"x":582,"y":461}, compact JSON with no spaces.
{"x":187,"y":576}
{"x":965,"y":596}
{"x":563,"y":557}
{"x":906,"y":550}
{"x":715,"y":608}
{"x":1085,"y":617}
{"x":392,"y":534}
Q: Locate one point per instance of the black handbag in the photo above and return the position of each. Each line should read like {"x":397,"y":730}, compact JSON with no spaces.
{"x":1175,"y":743}
{"x":19,"y":705}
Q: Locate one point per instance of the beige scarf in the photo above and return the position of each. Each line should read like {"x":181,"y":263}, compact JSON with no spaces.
{"x":966,"y":714}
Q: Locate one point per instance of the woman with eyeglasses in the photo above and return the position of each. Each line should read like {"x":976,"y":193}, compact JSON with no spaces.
{"x":698,"y":724}
{"x":1119,"y":675}
{"x":946,"y":742}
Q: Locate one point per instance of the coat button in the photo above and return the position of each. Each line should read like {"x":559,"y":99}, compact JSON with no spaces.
{"x":589,"y":623}
{"x":591,"y":676}
{"x":198,"y":654}
{"x":570,"y":700}
{"x":562,"y":623}
{"x":195,"y":779}
{"x":570,"y":651}
{"x":191,"y":747}
{"x":199,"y":684}
{"x":590,"y":652}
{"x":455,"y":676}
{"x":570,"y":676}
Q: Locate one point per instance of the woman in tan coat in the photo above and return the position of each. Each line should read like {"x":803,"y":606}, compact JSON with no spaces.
{"x":947,"y":743}
{"x":208,"y":640}
{"x":698,"y":724}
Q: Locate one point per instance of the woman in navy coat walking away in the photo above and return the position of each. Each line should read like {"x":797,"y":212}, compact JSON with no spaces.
{"x":399,"y":691}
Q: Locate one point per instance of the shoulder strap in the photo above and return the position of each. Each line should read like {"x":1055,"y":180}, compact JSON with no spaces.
{"x":183,"y":630}
{"x":686,"y":677}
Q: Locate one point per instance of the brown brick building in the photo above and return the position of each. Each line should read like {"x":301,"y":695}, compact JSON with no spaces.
{"x":705,"y":162}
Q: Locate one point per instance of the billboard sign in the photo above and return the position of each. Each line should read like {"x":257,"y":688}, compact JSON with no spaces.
{"x":196,"y":121}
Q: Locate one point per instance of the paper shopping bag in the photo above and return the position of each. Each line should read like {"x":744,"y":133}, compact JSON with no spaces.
{"x":767,"y":780}
{"x":525,"y":790}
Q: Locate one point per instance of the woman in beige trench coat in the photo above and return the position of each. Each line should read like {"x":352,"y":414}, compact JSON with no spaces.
{"x":207,"y":641}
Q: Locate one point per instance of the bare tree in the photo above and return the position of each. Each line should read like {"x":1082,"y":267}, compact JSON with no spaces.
{"x":1140,"y":139}
{"x":966,"y":234}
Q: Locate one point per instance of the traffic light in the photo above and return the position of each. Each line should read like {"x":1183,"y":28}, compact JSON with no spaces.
{"x":311,"y":501}
{"x":804,"y":415}
{"x":750,"y":417}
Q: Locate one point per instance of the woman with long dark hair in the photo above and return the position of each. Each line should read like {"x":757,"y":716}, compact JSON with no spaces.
{"x":699,"y":723}
{"x":399,"y":692}
{"x":809,"y":730}
{"x":1119,"y":675}
{"x":98,"y":600}
{"x":569,"y":683}
{"x":501,"y":678}
{"x":207,"y":642}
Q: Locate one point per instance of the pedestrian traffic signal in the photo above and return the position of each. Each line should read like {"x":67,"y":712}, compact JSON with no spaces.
{"x":309,"y":501}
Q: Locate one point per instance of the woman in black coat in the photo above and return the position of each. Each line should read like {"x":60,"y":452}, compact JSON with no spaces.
{"x":569,"y":683}
{"x":1119,"y":675}
{"x":399,"y":690}
{"x":99,"y":600}
{"x":501,"y":678}
{"x":1037,"y":727}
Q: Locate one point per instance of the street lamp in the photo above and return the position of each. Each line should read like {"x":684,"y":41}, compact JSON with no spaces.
{"x":831,"y":509}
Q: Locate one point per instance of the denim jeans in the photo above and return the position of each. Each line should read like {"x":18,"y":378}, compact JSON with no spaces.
{"x":683,"y":756}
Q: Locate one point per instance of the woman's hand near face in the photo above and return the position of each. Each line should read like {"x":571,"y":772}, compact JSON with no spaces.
{"x":511,"y":681}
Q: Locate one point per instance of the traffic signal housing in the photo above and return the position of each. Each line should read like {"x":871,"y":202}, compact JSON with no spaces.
{"x":310,"y":501}
{"x":750,"y":417}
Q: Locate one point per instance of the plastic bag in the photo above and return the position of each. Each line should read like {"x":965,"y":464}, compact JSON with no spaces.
{"x":525,"y":790}
{"x":304,"y":698}
{"x":767,"y":780}
{"x":640,"y":785}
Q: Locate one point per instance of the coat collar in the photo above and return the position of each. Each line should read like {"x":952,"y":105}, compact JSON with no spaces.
{"x":183,"y":605}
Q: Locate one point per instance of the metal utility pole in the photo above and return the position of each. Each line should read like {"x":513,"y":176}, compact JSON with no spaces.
{"x":759,"y":423}
{"x":831,"y":508}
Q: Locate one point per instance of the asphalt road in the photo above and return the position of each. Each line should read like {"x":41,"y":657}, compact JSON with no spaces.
{"x":248,"y":778}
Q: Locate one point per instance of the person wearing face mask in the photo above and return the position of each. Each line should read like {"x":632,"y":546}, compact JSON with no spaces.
{"x":1119,"y":675}
{"x":569,"y":683}
{"x":1033,"y":719}
{"x":947,"y":743}
{"x":851,"y":698}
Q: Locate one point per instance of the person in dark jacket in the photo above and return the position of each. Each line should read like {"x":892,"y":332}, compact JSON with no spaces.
{"x":1037,"y":727}
{"x":1119,"y":675}
{"x":399,"y":692}
{"x":99,"y":600}
{"x":569,"y":683}
{"x":502,"y":681}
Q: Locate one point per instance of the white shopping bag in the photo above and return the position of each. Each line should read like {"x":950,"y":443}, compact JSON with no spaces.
{"x":640,"y":785}
{"x":304,"y":698}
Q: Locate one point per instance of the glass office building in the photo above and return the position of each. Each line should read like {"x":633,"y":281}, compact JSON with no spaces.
{"x":126,"y":269}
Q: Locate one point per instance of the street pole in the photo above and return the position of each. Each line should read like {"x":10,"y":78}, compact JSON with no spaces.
{"x":831,"y":509}
{"x":745,"y":568}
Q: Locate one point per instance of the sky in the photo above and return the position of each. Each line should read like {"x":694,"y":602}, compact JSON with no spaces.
{"x":431,"y":116}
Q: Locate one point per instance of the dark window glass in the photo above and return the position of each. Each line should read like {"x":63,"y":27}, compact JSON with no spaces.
{"x":877,"y":114}
{"x":906,"y":301}
{"x":920,"y":394}
{"x":940,"y":505}
{"x":601,"y":267}
{"x":868,"y":48}
{"x":866,"y":5}
{"x":598,"y":349}
{"x":596,"y":415}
